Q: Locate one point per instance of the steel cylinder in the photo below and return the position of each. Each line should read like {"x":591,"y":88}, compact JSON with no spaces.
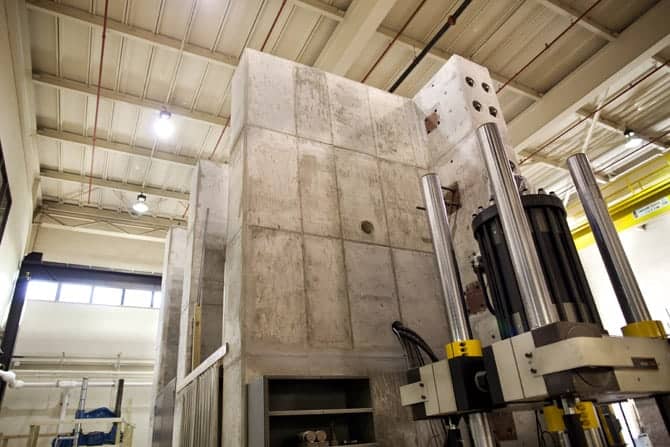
{"x":532,"y":287}
{"x":561,"y":268}
{"x":619,"y":270}
{"x":438,"y":221}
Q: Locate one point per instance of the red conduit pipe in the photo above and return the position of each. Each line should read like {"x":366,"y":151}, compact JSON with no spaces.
{"x":274,"y":22}
{"x":395,"y":38}
{"x":549,"y":45}
{"x":605,"y":104}
{"x":97,"y":100}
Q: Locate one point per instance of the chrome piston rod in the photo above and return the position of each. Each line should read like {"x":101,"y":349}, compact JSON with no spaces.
{"x":535,"y":295}
{"x":619,"y":270}
{"x":438,"y":221}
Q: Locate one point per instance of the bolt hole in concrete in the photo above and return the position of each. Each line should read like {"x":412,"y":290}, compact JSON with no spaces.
{"x":470,"y":81}
{"x":367,"y":227}
{"x":477,"y":105}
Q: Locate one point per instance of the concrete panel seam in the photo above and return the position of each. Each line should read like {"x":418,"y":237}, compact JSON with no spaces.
{"x":395,"y":277}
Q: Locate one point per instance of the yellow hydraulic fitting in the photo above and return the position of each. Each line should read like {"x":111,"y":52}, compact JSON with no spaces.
{"x":587,"y":415}
{"x":464,"y":348}
{"x":647,"y":329}
{"x":553,"y":418}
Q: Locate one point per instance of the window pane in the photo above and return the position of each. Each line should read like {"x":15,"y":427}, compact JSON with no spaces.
{"x":41,"y":290}
{"x":158,"y":299}
{"x":137,"y":298}
{"x":75,"y":293}
{"x":107,"y":295}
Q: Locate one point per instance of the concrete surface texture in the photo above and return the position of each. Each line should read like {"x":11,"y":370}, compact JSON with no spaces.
{"x":204,"y":258}
{"x":325,"y":245}
{"x":168,"y":328}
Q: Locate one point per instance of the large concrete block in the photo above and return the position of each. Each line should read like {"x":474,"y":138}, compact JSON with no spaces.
{"x":326,"y":293}
{"x":169,"y":317}
{"x":463,"y":166}
{"x":318,"y":189}
{"x":274,"y":288}
{"x":421,"y":304}
{"x":360,"y":195}
{"x":393,"y":126}
{"x":232,"y":297}
{"x":350,"y":112}
{"x":238,"y":104}
{"x":393,"y":422}
{"x":233,"y":406}
{"x":312,"y":104}
{"x":450,"y":95}
{"x":372,"y":295}
{"x":272,"y":197}
{"x":235,"y":188}
{"x":211,"y":332}
{"x":270,"y":91}
{"x":407,"y":225}
{"x":420,"y":136}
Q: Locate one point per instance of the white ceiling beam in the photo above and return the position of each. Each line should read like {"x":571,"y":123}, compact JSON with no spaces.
{"x":586,"y":23}
{"x":101,"y":143}
{"x":352,"y":35}
{"x":609,"y":124}
{"x":636,"y":44}
{"x":91,"y":90}
{"x":105,"y":215}
{"x":556,"y":164}
{"x":333,"y":13}
{"x":111,"y":184}
{"x":79,"y":15}
{"x":321,"y":8}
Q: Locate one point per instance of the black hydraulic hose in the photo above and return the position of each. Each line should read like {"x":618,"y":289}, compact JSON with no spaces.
{"x":450,"y":21}
{"x":413,"y":337}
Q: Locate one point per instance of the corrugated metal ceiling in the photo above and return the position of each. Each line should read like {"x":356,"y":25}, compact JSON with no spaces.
{"x":502,"y":35}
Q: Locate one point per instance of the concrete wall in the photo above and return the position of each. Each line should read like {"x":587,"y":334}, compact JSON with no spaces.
{"x":16,"y":233}
{"x":307,"y":291}
{"x":115,"y":252}
{"x":204,"y":258}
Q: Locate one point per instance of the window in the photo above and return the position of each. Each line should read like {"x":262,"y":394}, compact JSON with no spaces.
{"x":137,"y":298}
{"x":5,"y":196}
{"x":109,"y":296}
{"x":74,"y":293}
{"x":42,"y":290}
{"x":158,"y":298}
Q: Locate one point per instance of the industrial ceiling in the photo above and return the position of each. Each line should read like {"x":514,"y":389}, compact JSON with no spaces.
{"x":561,"y":65}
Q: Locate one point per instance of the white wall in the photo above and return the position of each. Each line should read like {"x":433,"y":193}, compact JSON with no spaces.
{"x":648,"y":250}
{"x":87,"y":330}
{"x":18,"y":226}
{"x":81,"y":330}
{"x":60,"y":245}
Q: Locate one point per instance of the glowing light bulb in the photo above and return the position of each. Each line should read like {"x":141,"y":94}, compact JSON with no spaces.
{"x":163,"y":125}
{"x":140,"y":206}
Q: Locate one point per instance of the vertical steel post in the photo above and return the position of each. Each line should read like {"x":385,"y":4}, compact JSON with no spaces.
{"x":80,"y":409}
{"x":438,"y":221}
{"x":535,"y":295}
{"x":619,"y":270}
